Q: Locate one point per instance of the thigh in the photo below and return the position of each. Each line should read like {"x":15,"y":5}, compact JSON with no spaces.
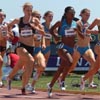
{"x":89,"y":56}
{"x":76,"y":56}
{"x":40,"y":59}
{"x":24,"y":54}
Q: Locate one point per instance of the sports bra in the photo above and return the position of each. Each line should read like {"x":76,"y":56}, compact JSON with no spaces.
{"x":38,"y":36}
{"x":4,"y":33}
{"x":84,"y":27}
{"x":25,"y":29}
{"x":66,"y":29}
{"x":47,"y":35}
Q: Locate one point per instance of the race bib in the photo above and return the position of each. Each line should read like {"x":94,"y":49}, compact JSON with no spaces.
{"x":26,"y":32}
{"x":38,"y":36}
{"x":48,"y":36}
{"x":69,"y":32}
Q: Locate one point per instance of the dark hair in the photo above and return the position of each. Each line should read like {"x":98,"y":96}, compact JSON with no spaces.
{"x":0,"y":10}
{"x":84,"y":10}
{"x":46,"y":13}
{"x":69,"y":8}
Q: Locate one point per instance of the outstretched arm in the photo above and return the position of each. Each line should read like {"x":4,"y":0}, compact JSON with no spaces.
{"x":94,"y":23}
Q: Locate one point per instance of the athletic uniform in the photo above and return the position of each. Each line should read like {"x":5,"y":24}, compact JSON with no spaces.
{"x":67,"y":31}
{"x":82,"y":50}
{"x":3,"y":48}
{"x":38,"y":38}
{"x":26,"y":30}
{"x":47,"y":36}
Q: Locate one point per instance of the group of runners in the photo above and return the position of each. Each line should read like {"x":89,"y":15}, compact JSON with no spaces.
{"x":72,"y":37}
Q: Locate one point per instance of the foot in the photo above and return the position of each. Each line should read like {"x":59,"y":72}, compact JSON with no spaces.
{"x":23,"y":91}
{"x":8,"y":83}
{"x":82,"y":84}
{"x":49,"y":90}
{"x":1,"y":84}
{"x":33,"y":91}
{"x":62,"y":86}
{"x":91,"y":85}
{"x":28,"y":87}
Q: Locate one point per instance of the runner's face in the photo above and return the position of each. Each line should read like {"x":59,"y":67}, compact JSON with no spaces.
{"x":2,"y":17}
{"x":85,"y":16}
{"x":70,"y":15}
{"x":38,"y":16}
{"x":49,"y":17}
{"x":28,"y":11}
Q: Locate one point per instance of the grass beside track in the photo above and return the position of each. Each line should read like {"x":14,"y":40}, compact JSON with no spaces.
{"x":72,"y":84}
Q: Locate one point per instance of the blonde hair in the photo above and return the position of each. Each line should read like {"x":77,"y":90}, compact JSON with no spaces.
{"x":34,"y":12}
{"x":27,"y":4}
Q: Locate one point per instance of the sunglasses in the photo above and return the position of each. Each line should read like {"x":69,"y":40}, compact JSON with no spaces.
{"x":38,"y":17}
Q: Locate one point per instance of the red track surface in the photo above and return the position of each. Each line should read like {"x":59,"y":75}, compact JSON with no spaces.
{"x":15,"y":94}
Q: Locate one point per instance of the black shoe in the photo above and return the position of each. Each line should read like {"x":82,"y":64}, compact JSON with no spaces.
{"x":23,"y":91}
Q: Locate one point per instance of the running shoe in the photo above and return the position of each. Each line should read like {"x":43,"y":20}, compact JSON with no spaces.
{"x":92,"y":85}
{"x":1,"y":84}
{"x":62,"y":86}
{"x":82,"y":84}
{"x":8,"y":83}
{"x":33,"y":91}
{"x":29,"y":87}
{"x":23,"y":91}
{"x":49,"y":90}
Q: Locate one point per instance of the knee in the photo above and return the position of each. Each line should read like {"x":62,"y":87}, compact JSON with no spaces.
{"x":41,"y":69}
{"x":31,"y":60}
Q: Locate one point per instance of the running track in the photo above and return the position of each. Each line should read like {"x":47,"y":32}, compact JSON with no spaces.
{"x":15,"y":94}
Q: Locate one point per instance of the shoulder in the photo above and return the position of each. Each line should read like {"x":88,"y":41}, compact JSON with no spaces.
{"x":78,"y":22}
{"x":58,"y":23}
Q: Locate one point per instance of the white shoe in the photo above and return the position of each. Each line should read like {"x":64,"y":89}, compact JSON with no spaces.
{"x":62,"y":86}
{"x":92,"y":85}
{"x":29,"y":87}
{"x":49,"y":90}
{"x":33,"y":91}
{"x":82,"y":84}
{"x":1,"y":84}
